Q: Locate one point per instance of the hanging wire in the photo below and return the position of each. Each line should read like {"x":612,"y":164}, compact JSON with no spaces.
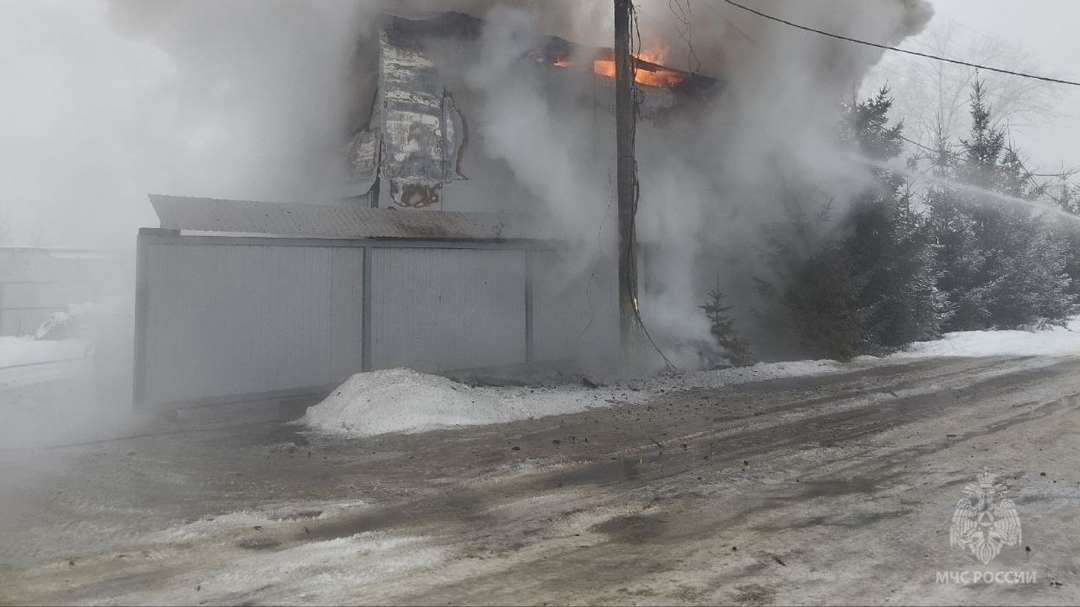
{"x":638,"y":98}
{"x":900,"y":50}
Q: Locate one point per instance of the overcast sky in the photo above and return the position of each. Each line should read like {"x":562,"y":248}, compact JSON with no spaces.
{"x":1049,"y":32}
{"x":92,"y":121}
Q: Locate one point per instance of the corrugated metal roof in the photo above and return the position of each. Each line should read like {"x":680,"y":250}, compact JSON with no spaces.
{"x":338,"y":221}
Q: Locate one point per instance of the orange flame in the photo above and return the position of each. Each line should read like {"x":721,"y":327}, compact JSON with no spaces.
{"x":655,"y":55}
{"x":649,"y":76}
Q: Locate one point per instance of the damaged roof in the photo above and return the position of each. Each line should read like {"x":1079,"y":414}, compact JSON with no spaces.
{"x":338,"y":221}
{"x":416,"y":32}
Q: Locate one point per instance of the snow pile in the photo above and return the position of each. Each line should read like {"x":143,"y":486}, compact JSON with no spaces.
{"x":1056,"y":341}
{"x":401,"y":400}
{"x":18,"y":351}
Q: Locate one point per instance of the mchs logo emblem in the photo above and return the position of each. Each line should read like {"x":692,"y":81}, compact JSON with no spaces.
{"x":985,"y":520}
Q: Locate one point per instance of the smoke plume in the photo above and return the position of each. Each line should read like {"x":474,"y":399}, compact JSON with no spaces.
{"x":708,"y":181}
{"x":256,"y":99}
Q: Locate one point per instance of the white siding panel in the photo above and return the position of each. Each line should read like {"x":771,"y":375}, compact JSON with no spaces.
{"x":445,"y":309}
{"x":229,"y":321}
{"x":346,"y":313}
{"x":575,"y":309}
{"x":225,"y":320}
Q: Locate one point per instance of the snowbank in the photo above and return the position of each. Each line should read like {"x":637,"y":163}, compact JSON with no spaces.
{"x":17,"y":351}
{"x":1057,"y":341}
{"x":401,"y":400}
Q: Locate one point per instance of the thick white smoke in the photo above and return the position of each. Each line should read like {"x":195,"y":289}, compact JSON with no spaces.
{"x":708,"y":181}
{"x":256,"y":98}
{"x":548,"y":148}
{"x":264,"y":90}
{"x":273,"y":84}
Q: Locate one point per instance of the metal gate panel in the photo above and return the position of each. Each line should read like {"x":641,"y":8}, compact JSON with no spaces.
{"x":346,"y":313}
{"x":437,"y":309}
{"x":575,"y":309}
{"x":224,"y":319}
{"x":224,"y":322}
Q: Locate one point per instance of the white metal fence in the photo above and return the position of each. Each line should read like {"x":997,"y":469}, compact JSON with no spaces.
{"x":227,"y":319}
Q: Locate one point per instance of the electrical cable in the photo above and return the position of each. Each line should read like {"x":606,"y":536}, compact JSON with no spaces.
{"x":685,"y":20}
{"x":730,"y":24}
{"x":632,"y":244}
{"x":900,"y":50}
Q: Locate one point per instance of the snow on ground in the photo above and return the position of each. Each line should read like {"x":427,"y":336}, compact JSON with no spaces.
{"x":17,"y":351}
{"x":330,"y":572}
{"x":401,"y":400}
{"x":1056,"y":341}
{"x":208,"y":526}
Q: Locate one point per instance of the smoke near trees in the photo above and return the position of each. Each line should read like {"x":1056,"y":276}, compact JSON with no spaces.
{"x":978,"y":247}
{"x":1003,"y":264}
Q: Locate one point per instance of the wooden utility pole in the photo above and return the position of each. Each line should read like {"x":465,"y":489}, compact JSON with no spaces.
{"x":626,"y":181}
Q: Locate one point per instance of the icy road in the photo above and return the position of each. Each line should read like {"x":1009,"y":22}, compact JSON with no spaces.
{"x":838,"y":488}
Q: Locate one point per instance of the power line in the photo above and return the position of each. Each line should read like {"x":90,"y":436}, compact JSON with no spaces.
{"x":1062,"y":175}
{"x":730,"y":24}
{"x":994,"y":39}
{"x":900,"y":50}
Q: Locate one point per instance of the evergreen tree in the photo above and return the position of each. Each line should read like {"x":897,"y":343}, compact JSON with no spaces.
{"x":865,"y":285}
{"x":810,"y":290}
{"x":889,"y":242}
{"x":1069,"y":198}
{"x":890,"y":247}
{"x":722,"y":327}
{"x":960,"y":260}
{"x":982,"y":150}
{"x":865,"y":126}
{"x":823,"y":304}
{"x":1000,"y":264}
{"x":974,"y":255}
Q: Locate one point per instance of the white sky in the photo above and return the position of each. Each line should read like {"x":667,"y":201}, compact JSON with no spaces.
{"x":1049,"y":32}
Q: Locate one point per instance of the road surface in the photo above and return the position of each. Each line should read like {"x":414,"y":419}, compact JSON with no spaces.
{"x":832,"y":489}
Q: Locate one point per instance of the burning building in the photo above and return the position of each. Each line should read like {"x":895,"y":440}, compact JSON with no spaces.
{"x":416,"y":151}
{"x":475,"y":224}
{"x":439,"y":258}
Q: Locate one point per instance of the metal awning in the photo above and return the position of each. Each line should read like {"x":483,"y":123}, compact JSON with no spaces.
{"x":338,"y":221}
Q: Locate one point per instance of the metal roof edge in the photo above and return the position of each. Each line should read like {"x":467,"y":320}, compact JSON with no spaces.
{"x":330,"y":220}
